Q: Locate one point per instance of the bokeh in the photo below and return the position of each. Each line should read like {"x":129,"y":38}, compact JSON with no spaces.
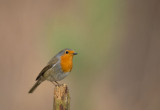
{"x":118,"y":46}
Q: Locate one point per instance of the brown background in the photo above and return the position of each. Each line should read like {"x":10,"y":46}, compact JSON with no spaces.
{"x":118,"y":66}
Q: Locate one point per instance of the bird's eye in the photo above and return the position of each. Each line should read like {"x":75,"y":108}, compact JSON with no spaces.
{"x":67,"y":52}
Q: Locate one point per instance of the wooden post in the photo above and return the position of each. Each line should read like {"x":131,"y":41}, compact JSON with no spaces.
{"x":61,"y":98}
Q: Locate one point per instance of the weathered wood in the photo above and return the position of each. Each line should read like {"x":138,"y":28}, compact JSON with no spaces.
{"x":61,"y":98}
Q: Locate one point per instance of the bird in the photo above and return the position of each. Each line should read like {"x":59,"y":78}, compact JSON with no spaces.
{"x":56,"y":69}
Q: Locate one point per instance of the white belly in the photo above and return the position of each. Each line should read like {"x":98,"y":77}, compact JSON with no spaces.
{"x":57,"y":77}
{"x":61,"y":76}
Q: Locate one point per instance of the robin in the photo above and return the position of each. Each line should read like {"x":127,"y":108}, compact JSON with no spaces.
{"x":56,"y":69}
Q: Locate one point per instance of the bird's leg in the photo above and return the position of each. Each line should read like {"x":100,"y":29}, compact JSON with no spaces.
{"x":56,"y":83}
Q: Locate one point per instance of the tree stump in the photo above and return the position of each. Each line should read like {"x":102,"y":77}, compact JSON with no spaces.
{"x":61,"y":98}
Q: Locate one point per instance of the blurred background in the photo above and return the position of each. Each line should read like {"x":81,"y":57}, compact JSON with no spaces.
{"x":118,"y":41}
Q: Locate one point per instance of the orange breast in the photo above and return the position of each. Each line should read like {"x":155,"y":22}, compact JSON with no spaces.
{"x":66,"y":63}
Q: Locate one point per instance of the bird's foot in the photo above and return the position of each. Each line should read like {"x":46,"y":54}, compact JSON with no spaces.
{"x":56,"y":83}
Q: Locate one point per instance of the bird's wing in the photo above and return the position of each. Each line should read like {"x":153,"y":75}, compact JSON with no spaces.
{"x":53,"y":60}
{"x":50,"y":64}
{"x":43,"y":71}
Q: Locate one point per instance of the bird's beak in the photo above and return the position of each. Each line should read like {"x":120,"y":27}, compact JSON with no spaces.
{"x":75,"y":53}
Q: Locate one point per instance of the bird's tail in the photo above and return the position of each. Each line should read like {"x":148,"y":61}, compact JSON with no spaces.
{"x":35,"y":86}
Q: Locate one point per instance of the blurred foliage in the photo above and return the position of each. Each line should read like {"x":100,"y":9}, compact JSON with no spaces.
{"x":89,"y":32}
